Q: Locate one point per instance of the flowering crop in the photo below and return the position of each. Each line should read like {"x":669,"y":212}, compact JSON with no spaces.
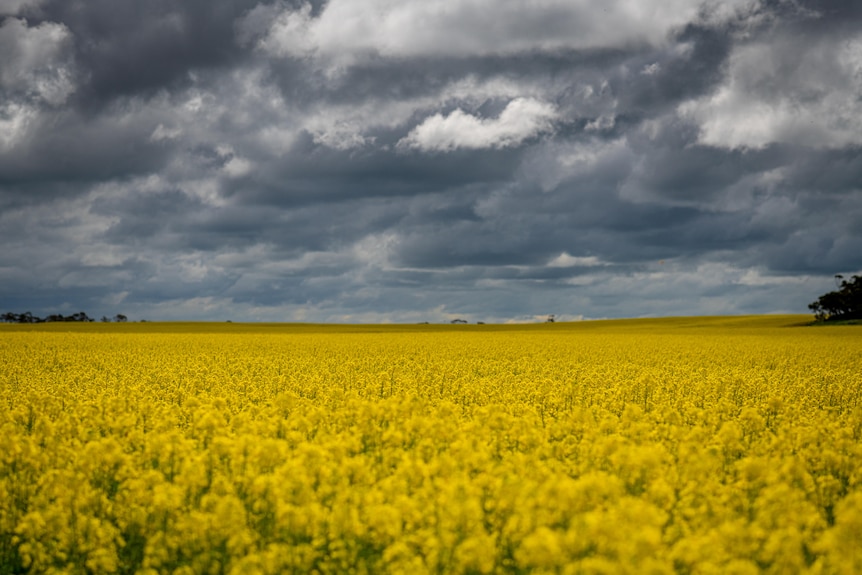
{"x":692,"y":445}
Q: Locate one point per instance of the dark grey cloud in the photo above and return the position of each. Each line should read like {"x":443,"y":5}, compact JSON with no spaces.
{"x":134,"y":48}
{"x":340,"y":161}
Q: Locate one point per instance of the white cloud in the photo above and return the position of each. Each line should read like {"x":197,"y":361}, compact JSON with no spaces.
{"x":347,"y":31}
{"x":554,"y":162}
{"x":234,"y":165}
{"x":345,"y":126}
{"x":564,"y":260}
{"x":651,"y":70}
{"x":163,"y":133}
{"x":601,"y":124}
{"x":291,"y":33}
{"x":15,"y":120}
{"x":35,"y":60}
{"x":375,"y":250}
{"x":522,"y":118}
{"x":337,"y":134}
{"x":776,"y":94}
{"x":755,"y":277}
{"x":237,"y":167}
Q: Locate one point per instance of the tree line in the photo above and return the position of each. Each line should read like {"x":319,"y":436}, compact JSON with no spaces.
{"x":843,"y":304}
{"x":27,"y":317}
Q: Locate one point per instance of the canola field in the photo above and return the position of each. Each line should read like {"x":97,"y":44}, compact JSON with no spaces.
{"x":687,"y":445}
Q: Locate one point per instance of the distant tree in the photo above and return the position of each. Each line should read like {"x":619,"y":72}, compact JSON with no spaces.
{"x":80,"y":316}
{"x":104,"y":319}
{"x":458,"y":320}
{"x":120,"y":318}
{"x":550,"y":319}
{"x":845,"y":303}
{"x":28,"y":317}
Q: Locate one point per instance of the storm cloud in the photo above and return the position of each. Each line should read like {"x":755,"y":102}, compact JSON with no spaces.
{"x":371,"y":160}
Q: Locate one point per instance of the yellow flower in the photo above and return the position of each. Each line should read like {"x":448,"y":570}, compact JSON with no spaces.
{"x":702,"y":445}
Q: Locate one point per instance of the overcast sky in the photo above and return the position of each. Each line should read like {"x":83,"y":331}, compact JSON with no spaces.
{"x":422,"y":160}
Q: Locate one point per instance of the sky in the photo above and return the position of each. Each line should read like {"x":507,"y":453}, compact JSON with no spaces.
{"x":425,"y":160}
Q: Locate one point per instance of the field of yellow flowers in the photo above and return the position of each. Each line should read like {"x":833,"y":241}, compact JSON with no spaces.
{"x":687,"y":445}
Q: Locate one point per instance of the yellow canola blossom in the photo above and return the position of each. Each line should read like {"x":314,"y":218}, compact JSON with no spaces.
{"x":689,"y":445}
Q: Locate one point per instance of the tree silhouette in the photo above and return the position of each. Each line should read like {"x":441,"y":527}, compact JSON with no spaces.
{"x":27,"y":317}
{"x":845,"y":303}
